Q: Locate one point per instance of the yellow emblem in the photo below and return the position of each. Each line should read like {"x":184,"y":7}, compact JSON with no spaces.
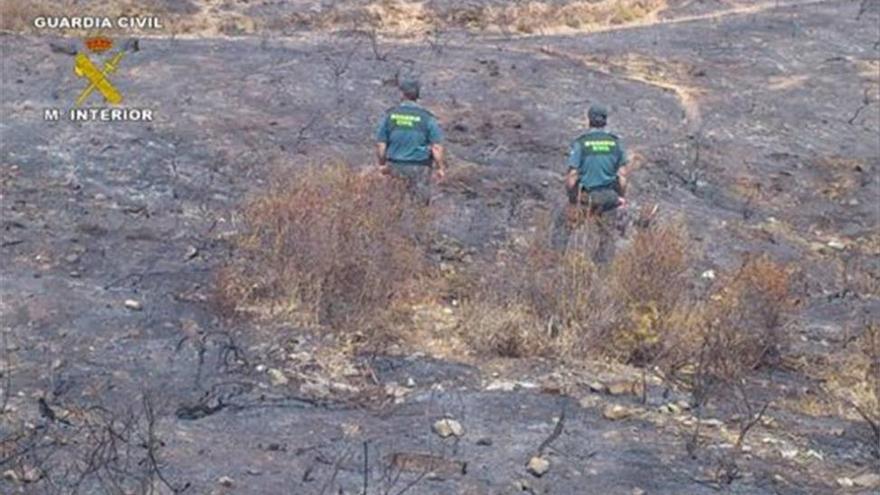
{"x":97,"y":78}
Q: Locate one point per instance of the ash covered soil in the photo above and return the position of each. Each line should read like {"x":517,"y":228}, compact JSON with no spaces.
{"x":759,"y":127}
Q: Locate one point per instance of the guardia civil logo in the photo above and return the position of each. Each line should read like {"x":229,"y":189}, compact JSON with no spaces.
{"x":98,"y":72}
{"x":98,"y":79}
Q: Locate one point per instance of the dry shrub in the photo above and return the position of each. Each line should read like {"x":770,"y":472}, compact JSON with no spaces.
{"x":854,"y":378}
{"x":501,"y":310}
{"x":867,"y":403}
{"x":653,"y":269}
{"x":328,"y":245}
{"x":551,"y":294}
{"x":467,"y":16}
{"x":727,"y":337}
{"x":557,"y":289}
{"x":539,"y":16}
{"x":625,"y":13}
{"x":507,"y":331}
{"x":579,"y":307}
{"x":641,"y":310}
{"x":646,"y":336}
{"x":649,"y":286}
{"x":746,"y":317}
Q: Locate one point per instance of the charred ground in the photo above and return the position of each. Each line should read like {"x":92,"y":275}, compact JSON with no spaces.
{"x":758,"y":126}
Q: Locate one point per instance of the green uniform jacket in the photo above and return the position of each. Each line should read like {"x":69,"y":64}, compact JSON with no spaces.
{"x":597,"y":155}
{"x":409,"y":131}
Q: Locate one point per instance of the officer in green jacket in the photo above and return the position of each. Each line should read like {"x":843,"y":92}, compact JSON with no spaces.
{"x":409,"y":143}
{"x":595,"y":184}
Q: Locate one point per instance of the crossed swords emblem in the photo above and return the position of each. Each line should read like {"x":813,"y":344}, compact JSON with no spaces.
{"x":98,"y":78}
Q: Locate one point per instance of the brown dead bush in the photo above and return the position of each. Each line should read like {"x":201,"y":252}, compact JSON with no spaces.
{"x":737,"y":329}
{"x":868,"y":405}
{"x":746,"y":317}
{"x":648,"y":281}
{"x":508,"y":331}
{"x":853,"y":378}
{"x":652,"y":270}
{"x":520,"y":306}
{"x":642,"y":310}
{"x":529,"y":17}
{"x":328,"y":245}
{"x":581,"y":308}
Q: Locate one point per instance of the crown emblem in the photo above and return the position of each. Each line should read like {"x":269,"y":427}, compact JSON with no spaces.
{"x":98,"y":44}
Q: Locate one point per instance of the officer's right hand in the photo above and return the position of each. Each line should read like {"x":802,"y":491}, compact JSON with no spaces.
{"x":439,"y":174}
{"x":384,"y":169}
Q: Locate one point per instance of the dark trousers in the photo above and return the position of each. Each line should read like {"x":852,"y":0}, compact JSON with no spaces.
{"x":417,"y":178}
{"x":598,"y":210}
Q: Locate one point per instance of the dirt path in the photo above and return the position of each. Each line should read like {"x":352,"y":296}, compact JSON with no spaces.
{"x":686,"y":95}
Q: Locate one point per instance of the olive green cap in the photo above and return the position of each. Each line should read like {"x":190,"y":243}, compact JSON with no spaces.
{"x":410,"y":88}
{"x":597,"y":112}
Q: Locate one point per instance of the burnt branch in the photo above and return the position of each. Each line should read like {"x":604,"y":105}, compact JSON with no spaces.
{"x":866,"y":102}
{"x":373,"y":36}
{"x":6,"y":373}
{"x":863,"y":7}
{"x":557,"y":430}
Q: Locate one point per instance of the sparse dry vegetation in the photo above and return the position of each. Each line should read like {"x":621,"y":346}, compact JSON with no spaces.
{"x":553,"y":297}
{"x":326,"y":245}
{"x":868,"y":405}
{"x":642,"y":310}
{"x":95,"y":450}
{"x":853,"y":377}
{"x":333,"y":247}
{"x":386,"y":16}
{"x":177,"y":17}
{"x":565,"y":302}
{"x":413,"y":18}
{"x":506,"y":330}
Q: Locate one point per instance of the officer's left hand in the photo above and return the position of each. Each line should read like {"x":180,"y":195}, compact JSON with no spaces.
{"x":439,"y":174}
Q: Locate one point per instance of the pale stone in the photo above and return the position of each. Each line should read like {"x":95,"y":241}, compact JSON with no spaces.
{"x":867,"y":480}
{"x":538,"y":466}
{"x":277,"y":377}
{"x":616,"y":412}
{"x":133,"y":305}
{"x":448,"y":427}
